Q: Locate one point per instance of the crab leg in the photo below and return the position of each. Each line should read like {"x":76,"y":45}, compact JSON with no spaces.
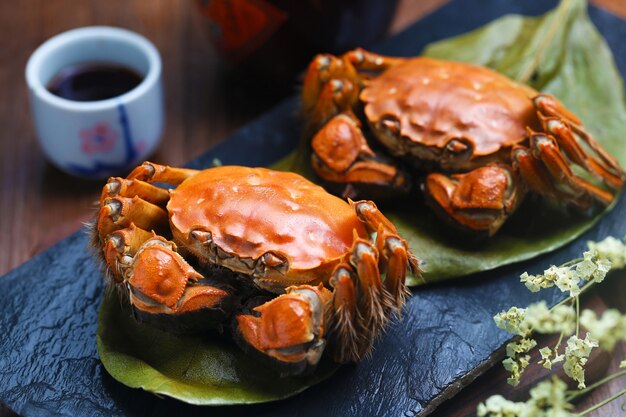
{"x":396,"y":256}
{"x":328,"y":80}
{"x":534,"y":173}
{"x":332,"y":84}
{"x":372,"y":297}
{"x":369,"y":61}
{"x":336,"y":96}
{"x":546,"y":149}
{"x":610,"y":174}
{"x":120,"y":247}
{"x":150,"y":172}
{"x":134,"y":199}
{"x":158,"y":279}
{"x":344,"y":321}
{"x":126,"y":187}
{"x":119,"y":212}
{"x":548,"y":106}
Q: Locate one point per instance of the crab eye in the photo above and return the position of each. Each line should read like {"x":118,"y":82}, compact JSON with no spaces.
{"x":459,"y":147}
{"x":201,"y":236}
{"x":391,"y":125}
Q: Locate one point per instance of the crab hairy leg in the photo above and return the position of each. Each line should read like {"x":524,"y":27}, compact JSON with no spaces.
{"x":343,"y":318}
{"x":610,"y":175}
{"x":330,"y":84}
{"x":371,"y":295}
{"x":125,"y":187}
{"x":535,"y":174}
{"x":360,"y":310}
{"x":336,"y":96}
{"x":341,"y":155}
{"x":119,"y":248}
{"x":548,"y":106}
{"x":396,"y":257}
{"x":119,"y":212}
{"x":288,"y":329}
{"x":340,"y":151}
{"x":479,"y":200}
{"x":154,"y":276}
{"x":578,"y":190}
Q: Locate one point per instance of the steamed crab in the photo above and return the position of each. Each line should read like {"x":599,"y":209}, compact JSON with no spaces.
{"x":180,"y":257}
{"x":483,"y":140}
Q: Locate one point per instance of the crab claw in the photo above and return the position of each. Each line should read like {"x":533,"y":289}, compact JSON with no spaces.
{"x":167,"y":292}
{"x":288,"y":330}
{"x":480,"y":200}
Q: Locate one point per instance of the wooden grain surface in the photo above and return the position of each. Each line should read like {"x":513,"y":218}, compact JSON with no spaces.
{"x":40,"y":205}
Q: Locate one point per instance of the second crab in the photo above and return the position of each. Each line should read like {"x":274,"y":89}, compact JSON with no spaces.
{"x":481,"y":140}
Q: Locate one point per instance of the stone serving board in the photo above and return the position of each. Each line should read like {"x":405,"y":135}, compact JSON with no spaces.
{"x":49,"y":365}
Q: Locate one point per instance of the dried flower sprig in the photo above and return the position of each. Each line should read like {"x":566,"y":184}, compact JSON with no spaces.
{"x":551,"y":398}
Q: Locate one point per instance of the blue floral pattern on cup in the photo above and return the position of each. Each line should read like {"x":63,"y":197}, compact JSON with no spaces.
{"x":101,"y":138}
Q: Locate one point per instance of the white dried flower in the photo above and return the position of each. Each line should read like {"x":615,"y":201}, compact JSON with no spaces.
{"x":562,"y":276}
{"x":549,"y":357}
{"x":610,"y":249}
{"x":586,"y":268}
{"x":548,"y":399}
{"x":608,"y":330}
{"x":567,"y":280}
{"x":498,"y":406}
{"x":516,"y":367}
{"x":513,"y":349}
{"x":512,"y":321}
{"x":576,"y":354}
{"x":534,"y":282}
{"x":541,"y":319}
{"x":603,"y":267}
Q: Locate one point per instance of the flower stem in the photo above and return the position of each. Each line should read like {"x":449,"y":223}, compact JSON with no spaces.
{"x":602,"y":403}
{"x":577,"y":315}
{"x":578,"y":393}
{"x":572,"y":262}
{"x":558,"y":343}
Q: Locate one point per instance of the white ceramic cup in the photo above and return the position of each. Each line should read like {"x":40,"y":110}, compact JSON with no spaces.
{"x":97,"y":138}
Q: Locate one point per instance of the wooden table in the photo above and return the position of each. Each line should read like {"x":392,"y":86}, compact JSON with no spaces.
{"x":40,"y":205}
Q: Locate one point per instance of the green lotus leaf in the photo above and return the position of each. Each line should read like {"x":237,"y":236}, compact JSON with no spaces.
{"x":203,"y":370}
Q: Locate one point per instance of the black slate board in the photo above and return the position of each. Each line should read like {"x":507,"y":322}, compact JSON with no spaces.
{"x":48,"y":309}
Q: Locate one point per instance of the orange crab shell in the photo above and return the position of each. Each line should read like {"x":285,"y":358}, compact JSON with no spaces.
{"x":251,"y":212}
{"x":437,"y":101}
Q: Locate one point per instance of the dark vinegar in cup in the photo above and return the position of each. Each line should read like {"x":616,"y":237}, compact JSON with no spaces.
{"x":93,"y":81}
